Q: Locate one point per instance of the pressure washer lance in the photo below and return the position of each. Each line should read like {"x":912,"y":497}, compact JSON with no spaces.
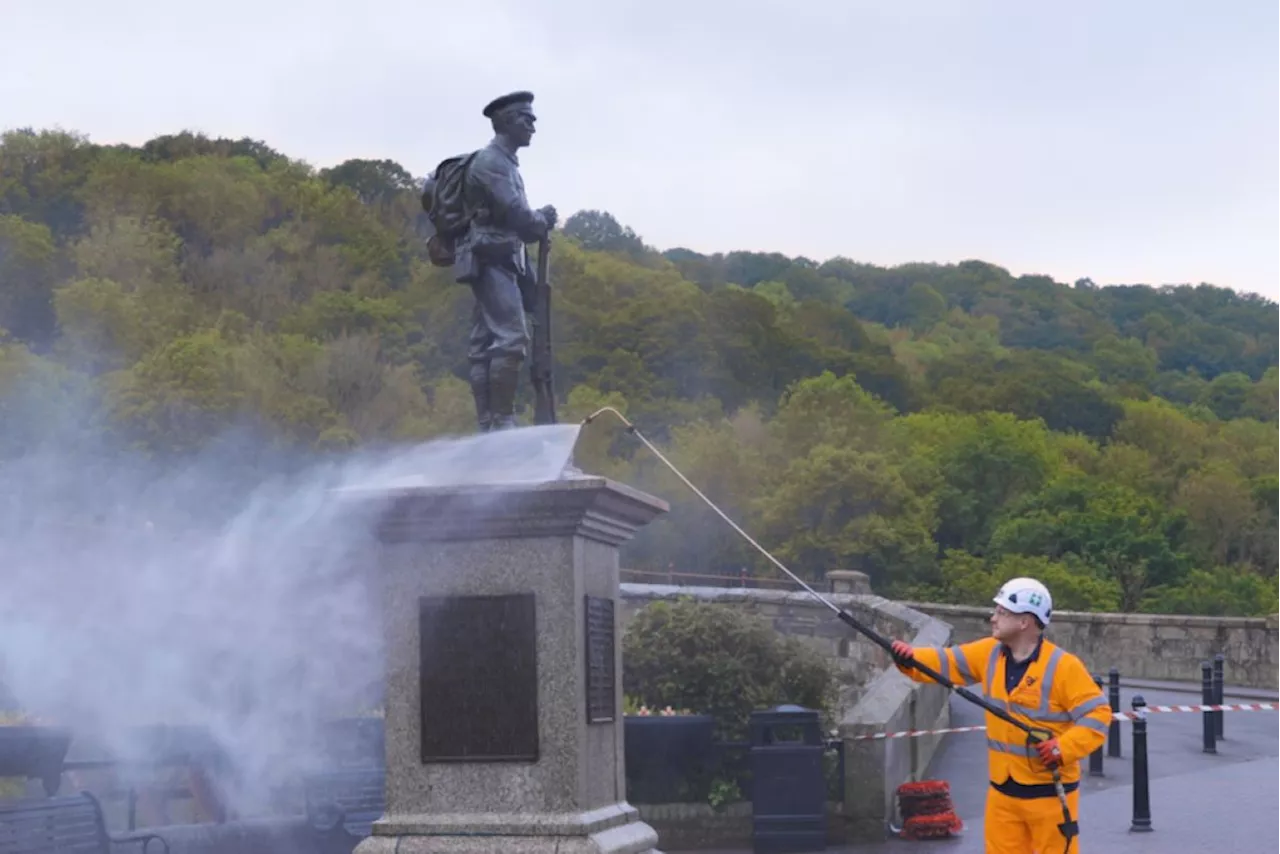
{"x":1069,"y":828}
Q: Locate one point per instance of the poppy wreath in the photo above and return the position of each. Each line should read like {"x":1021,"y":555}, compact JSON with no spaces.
{"x":927,"y":811}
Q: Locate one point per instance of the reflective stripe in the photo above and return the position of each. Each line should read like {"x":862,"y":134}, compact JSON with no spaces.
{"x":943,"y":666}
{"x":1093,"y":724}
{"x":992,"y":661}
{"x":1046,"y":684}
{"x":1006,"y":747}
{"x":1040,"y":716}
{"x":962,"y":665}
{"x":1087,"y":706}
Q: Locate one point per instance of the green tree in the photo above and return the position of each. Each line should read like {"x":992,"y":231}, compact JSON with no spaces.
{"x":28,"y":269}
{"x":1228,"y":394}
{"x":845,"y":508}
{"x":1125,"y":537}
{"x":726,"y":464}
{"x":179,"y":396}
{"x":828,"y":410}
{"x":980,"y":464}
{"x":971,"y":580}
{"x":599,"y":231}
{"x":1221,"y":592}
{"x":1260,"y":402}
{"x":373,"y":181}
{"x":1126,"y":361}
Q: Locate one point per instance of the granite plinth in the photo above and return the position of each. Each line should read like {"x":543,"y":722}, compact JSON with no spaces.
{"x":562,"y":785}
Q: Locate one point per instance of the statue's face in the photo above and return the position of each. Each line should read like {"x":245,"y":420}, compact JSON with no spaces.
{"x":518,"y":125}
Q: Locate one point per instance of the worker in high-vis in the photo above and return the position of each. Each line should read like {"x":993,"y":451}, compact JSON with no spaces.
{"x":1042,"y":685}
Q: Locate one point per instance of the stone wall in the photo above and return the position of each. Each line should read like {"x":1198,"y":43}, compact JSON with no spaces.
{"x":874,"y":768}
{"x":1147,"y":646}
{"x":877,"y":698}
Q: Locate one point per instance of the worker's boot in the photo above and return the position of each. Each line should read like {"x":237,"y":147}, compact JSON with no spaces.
{"x":504,"y":379}
{"x":480,"y":391}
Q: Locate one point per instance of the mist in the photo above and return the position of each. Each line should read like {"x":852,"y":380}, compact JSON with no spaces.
{"x":233,"y":589}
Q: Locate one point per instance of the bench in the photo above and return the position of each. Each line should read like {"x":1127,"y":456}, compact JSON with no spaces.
{"x":71,"y":824}
{"x":346,"y":803}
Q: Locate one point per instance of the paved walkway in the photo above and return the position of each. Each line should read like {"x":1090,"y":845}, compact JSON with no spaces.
{"x":1224,"y":802}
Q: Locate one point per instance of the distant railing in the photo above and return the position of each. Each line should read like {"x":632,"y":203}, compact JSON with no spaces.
{"x":695,"y":579}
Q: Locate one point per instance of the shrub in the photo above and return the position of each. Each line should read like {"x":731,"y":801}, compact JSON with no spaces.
{"x":721,"y":661}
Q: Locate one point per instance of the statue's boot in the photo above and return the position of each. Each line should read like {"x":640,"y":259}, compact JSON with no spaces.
{"x":480,"y":391}
{"x":504,"y":379}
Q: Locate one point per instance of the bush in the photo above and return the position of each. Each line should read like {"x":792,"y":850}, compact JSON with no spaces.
{"x":721,"y":661}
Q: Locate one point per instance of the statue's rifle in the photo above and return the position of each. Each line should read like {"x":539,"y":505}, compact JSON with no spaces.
{"x":540,"y":370}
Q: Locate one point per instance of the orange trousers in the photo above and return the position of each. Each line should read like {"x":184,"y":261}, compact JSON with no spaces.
{"x":1028,"y":825}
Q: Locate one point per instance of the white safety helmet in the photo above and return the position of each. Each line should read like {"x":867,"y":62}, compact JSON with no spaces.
{"x":1026,"y":596}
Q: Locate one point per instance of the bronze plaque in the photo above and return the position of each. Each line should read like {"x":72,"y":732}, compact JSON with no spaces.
{"x":479,"y":678}
{"x":601,"y":673}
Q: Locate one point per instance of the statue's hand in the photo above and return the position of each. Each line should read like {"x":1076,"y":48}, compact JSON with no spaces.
{"x":549,"y":214}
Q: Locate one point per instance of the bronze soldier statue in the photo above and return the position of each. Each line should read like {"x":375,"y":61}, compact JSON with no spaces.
{"x":491,"y":257}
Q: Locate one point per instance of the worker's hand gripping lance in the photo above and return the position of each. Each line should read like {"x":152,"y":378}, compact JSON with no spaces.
{"x":1069,"y":828}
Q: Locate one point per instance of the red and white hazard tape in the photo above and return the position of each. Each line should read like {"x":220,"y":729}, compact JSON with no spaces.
{"x":914,"y":733}
{"x":1124,"y":716}
{"x":1238,"y":707}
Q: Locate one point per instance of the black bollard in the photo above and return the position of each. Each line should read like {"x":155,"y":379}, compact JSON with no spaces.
{"x":1113,"y":699}
{"x":1095,"y":758}
{"x":1206,"y":697}
{"x":1219,"y":691}
{"x":1141,"y":822}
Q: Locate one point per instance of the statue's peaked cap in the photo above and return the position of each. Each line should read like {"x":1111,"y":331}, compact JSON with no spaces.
{"x":506,"y":101}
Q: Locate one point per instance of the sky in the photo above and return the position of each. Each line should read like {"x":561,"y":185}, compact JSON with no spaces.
{"x":1130,"y":142}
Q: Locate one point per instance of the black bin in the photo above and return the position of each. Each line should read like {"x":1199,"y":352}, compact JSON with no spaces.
{"x":788,"y":787}
{"x":663,"y":752}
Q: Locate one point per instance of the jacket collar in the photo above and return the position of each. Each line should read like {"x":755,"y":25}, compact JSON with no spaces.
{"x":1035,"y":653}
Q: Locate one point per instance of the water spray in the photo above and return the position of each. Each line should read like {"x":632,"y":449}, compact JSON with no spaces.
{"x":1069,"y":828}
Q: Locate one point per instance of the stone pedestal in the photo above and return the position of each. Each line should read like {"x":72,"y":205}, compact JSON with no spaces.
{"x":504,"y":664}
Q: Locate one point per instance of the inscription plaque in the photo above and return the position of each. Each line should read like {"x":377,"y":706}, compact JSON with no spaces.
{"x":479,"y":678}
{"x":601,"y":673}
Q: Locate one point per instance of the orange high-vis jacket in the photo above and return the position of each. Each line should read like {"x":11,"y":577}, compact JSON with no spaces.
{"x":1057,"y":694}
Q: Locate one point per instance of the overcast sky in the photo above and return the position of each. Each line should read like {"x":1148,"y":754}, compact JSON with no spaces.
{"x":1127,"y":140}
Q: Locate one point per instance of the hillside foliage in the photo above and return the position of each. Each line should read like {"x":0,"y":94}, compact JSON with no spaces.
{"x":938,"y":426}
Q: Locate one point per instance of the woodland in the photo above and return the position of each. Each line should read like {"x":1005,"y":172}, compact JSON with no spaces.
{"x":939,"y":426}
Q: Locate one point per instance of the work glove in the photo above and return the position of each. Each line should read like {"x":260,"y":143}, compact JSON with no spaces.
{"x":1050,"y":752}
{"x":902,"y":651}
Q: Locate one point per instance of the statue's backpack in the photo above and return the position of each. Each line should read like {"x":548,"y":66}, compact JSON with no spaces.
{"x":443,"y":200}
